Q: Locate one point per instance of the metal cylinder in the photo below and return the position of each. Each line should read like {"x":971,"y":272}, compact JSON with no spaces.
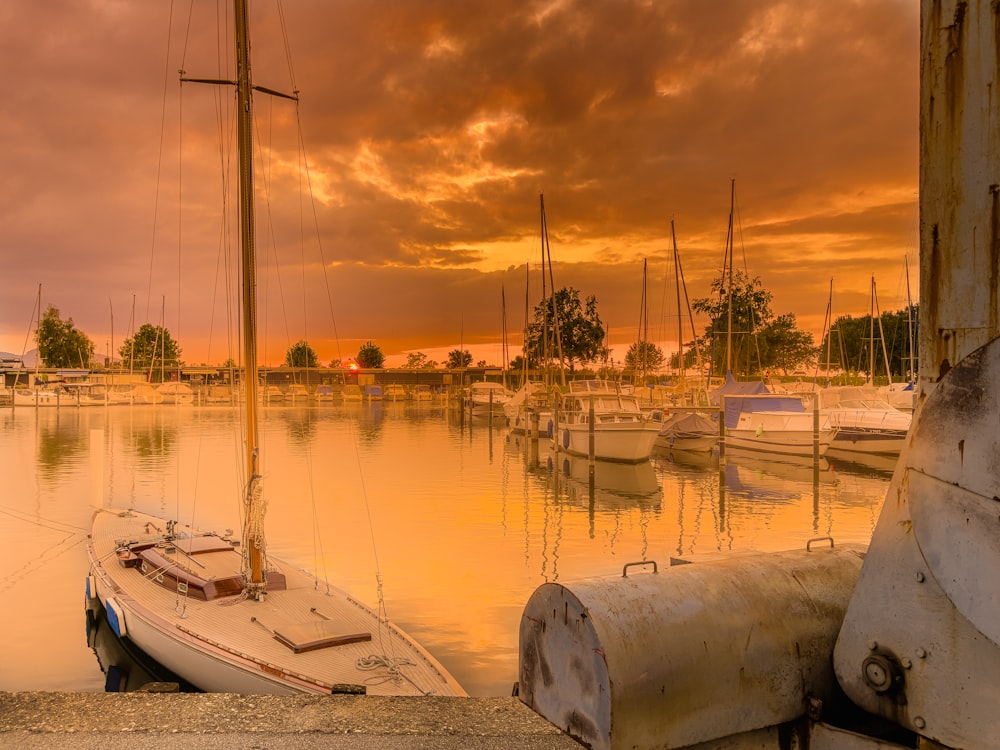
{"x":688,"y":654}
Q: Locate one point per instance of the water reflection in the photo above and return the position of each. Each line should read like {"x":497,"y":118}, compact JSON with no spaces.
{"x":300,"y":425}
{"x":61,"y":443}
{"x":125,"y":666}
{"x":465,"y":521}
{"x":865,"y":464}
{"x":149,"y":435}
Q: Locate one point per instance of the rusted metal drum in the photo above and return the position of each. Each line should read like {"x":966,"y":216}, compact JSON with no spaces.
{"x":689,"y":653}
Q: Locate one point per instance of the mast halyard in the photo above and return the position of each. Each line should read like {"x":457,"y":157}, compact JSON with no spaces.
{"x":253,"y":532}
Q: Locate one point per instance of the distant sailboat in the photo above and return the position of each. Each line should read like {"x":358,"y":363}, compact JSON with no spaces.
{"x":220,"y":612}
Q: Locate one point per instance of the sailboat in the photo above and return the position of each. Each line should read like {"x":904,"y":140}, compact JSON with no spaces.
{"x":218,"y":611}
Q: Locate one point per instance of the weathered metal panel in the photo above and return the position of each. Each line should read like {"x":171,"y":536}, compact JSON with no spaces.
{"x":687,"y":655}
{"x":920,"y":643}
{"x":959,"y":183}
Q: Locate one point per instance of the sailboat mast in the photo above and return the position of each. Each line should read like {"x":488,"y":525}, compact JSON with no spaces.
{"x":871,"y":337}
{"x":677,"y":289}
{"x":909,"y":320}
{"x":729,"y":259}
{"x":545,"y":320}
{"x":244,"y":132}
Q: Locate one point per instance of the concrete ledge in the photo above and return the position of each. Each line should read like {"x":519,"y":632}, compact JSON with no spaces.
{"x":184,"y":720}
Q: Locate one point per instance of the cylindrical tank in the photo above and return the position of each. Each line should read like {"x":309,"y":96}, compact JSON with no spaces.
{"x":691,"y":653}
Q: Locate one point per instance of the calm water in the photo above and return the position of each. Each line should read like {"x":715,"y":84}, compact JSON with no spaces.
{"x":462,"y":522}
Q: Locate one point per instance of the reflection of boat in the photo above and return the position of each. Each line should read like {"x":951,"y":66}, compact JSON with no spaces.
{"x":620,"y":430}
{"x":878,"y":464}
{"x":691,"y":431}
{"x":774,"y":424}
{"x":774,"y":473}
{"x":125,"y":666}
{"x":219,"y":611}
{"x":373,"y":392}
{"x":352,"y":392}
{"x":614,"y":481}
{"x":422,"y":392}
{"x":693,"y":459}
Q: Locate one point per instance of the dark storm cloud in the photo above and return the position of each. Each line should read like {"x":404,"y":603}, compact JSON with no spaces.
{"x":431,"y":128}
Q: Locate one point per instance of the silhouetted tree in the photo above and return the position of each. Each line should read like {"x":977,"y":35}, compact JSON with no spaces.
{"x":459,"y":358}
{"x":60,"y":344}
{"x":149,"y":349}
{"x":301,"y":354}
{"x":581,"y":332}
{"x":370,"y":356}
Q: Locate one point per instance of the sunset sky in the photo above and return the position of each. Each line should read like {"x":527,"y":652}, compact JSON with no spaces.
{"x":430,"y":128}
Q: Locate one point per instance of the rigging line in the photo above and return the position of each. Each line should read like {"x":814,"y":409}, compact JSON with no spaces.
{"x":284,"y":40}
{"x":383,"y":617}
{"x":266,"y":179}
{"x":319,"y":240}
{"x":159,"y":160}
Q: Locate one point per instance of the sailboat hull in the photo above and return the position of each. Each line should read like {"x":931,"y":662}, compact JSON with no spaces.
{"x":238,"y":645}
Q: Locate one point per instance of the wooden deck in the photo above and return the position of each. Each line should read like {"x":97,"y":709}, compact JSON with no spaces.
{"x":305,"y":637}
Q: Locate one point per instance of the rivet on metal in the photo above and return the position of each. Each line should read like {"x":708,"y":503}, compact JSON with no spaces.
{"x":921,"y":653}
{"x":920,"y":577}
{"x":906,"y":663}
{"x":919,"y":722}
{"x":872,"y":645}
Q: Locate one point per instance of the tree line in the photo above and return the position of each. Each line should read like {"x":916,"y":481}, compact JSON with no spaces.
{"x":566,"y":331}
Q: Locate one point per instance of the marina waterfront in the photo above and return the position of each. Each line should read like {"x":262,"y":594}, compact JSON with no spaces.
{"x":459,"y":521}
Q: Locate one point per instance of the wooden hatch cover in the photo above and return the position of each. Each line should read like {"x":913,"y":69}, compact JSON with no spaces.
{"x":313,"y":635}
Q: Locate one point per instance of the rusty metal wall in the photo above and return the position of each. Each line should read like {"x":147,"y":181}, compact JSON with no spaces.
{"x":959,"y":183}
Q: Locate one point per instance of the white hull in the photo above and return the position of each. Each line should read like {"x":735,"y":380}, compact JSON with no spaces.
{"x":614,"y":441}
{"x":790,"y":442}
{"x":877,"y":429}
{"x":226,"y":644}
{"x":860,"y":440}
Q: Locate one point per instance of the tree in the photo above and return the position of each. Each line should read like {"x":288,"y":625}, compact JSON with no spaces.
{"x":758,"y":340}
{"x":643,"y":357}
{"x":60,"y":344}
{"x":415,"y":361}
{"x":751,"y":311}
{"x":581,"y":332}
{"x":459,"y":358}
{"x":150,"y":348}
{"x":301,"y":354}
{"x":370,"y":356}
{"x":784,"y":346}
{"x":849,"y":343}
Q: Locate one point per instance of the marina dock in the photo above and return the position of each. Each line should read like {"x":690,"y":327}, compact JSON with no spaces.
{"x":184,"y":720}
